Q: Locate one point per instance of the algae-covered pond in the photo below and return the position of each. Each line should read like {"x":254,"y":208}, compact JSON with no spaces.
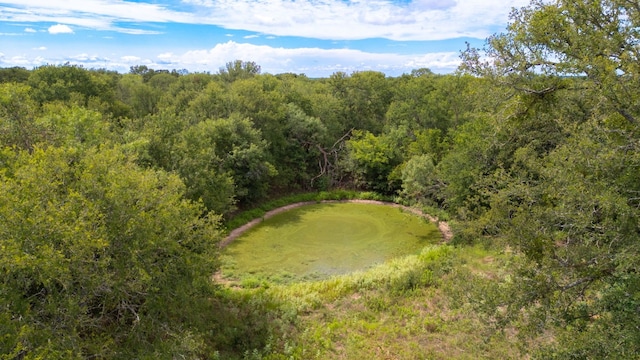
{"x":320,"y":240}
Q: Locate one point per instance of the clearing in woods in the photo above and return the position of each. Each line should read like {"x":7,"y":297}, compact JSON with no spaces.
{"x":316,"y":241}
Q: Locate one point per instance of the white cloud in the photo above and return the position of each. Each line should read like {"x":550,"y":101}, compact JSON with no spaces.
{"x":321,"y":19}
{"x":84,"y":57}
{"x":311,"y":61}
{"x":60,"y":29}
{"x":433,"y":4}
{"x":92,"y":14}
{"x":335,"y":20}
{"x":138,"y":31}
{"x":130,"y":59}
{"x":348,"y":20}
{"x":166,"y":56}
{"x":41,"y":48}
{"x":21,"y":61}
{"x":314,"y":62}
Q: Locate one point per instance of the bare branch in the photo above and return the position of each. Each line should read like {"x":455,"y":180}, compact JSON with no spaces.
{"x":577,"y":283}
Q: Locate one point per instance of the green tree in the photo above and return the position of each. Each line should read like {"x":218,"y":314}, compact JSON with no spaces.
{"x":210,"y":103}
{"x":328,"y":108}
{"x":420,"y":182}
{"x":372,"y":160}
{"x":18,"y":112}
{"x":73,"y":126}
{"x":170,"y":142}
{"x":238,"y":69}
{"x":97,"y":256}
{"x":298,"y":90}
{"x":148,"y":73}
{"x":471,"y":159}
{"x":181,"y":92}
{"x":306,"y":137}
{"x":259,"y":99}
{"x":566,"y":203}
{"x":14,"y":74}
{"x":106,"y":100}
{"x":430,"y":101}
{"x":574,"y":218}
{"x":546,"y":42}
{"x":222,"y":161}
{"x":24,"y":124}
{"x":62,"y":83}
{"x":365,"y":97}
{"x":162,"y":81}
{"x":141,"y":97}
{"x":429,"y":141}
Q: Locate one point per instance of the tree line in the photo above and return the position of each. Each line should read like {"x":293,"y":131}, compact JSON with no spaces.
{"x":113,"y":186}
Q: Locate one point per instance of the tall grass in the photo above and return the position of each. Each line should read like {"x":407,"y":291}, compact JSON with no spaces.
{"x":396,"y":275}
{"x":407,"y":308}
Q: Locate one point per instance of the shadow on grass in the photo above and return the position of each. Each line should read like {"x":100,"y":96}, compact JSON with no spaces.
{"x":247,"y":322}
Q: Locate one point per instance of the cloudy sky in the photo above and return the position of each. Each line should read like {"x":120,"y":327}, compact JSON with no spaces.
{"x":314,"y":37}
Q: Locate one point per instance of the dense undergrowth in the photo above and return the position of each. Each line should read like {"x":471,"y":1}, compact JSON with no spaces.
{"x":415,"y":307}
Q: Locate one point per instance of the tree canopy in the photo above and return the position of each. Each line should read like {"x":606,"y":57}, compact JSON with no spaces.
{"x":113,"y":186}
{"x":563,"y":197}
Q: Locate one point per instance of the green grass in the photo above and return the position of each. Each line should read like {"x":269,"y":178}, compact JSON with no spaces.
{"x":244,"y":217}
{"x":321,"y":240}
{"x":414,"y":306}
{"x":411,"y":307}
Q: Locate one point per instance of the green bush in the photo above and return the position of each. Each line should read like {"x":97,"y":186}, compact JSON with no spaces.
{"x":99,"y":257}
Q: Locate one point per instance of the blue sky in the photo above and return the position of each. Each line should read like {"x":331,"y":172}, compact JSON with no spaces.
{"x":314,"y":37}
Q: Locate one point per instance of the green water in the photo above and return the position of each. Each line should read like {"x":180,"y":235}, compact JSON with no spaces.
{"x":320,"y":240}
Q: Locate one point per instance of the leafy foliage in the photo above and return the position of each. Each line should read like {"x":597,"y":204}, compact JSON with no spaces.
{"x":95,"y":253}
{"x":109,"y":184}
{"x":562,"y":199}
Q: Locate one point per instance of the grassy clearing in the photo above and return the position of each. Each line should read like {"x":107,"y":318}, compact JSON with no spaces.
{"x":245,"y":216}
{"x":418,"y":306}
{"x":414,"y":307}
{"x":320,"y":240}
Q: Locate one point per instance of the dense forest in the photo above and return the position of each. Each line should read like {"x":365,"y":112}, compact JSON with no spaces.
{"x":115,"y":188}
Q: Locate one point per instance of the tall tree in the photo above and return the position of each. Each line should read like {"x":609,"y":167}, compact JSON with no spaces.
{"x":18,"y":112}
{"x":372,"y":159}
{"x":305,"y":140}
{"x":431,"y":101}
{"x":62,"y":83}
{"x":592,"y":39}
{"x":98,"y":256}
{"x":238,"y":69}
{"x":367,"y":98}
{"x":14,"y":74}
{"x":568,"y":206}
{"x":224,"y":160}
